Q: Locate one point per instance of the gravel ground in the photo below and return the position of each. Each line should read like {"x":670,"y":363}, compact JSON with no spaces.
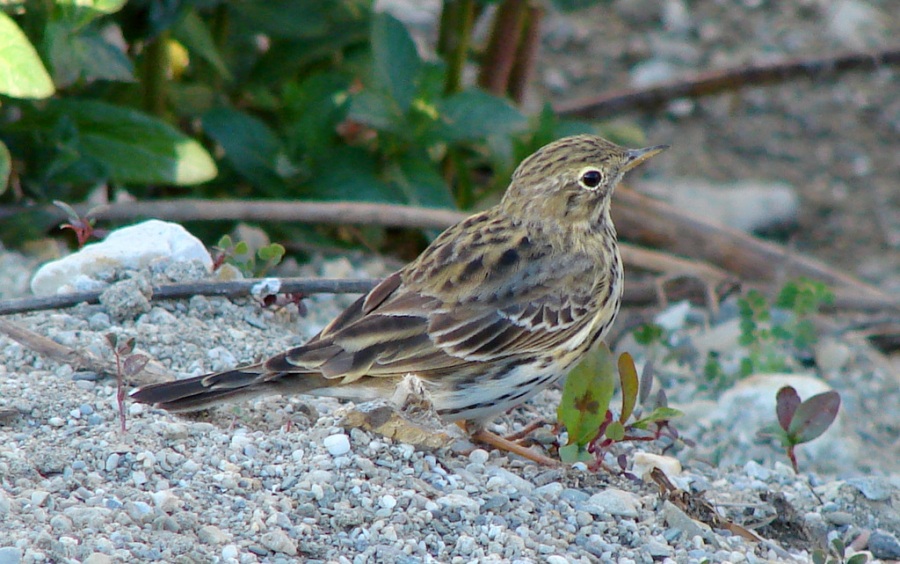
{"x":279,"y":480}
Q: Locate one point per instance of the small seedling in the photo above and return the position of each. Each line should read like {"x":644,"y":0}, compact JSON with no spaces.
{"x":584,"y":408}
{"x":240,"y":256}
{"x":83,"y":227}
{"x":768,"y":339}
{"x":128,"y":365}
{"x":800,"y":422}
{"x":837,"y":555}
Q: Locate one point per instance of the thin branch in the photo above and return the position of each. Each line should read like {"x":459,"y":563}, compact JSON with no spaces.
{"x":230,"y":289}
{"x":715,"y":82}
{"x":152,"y":372}
{"x":191,"y":209}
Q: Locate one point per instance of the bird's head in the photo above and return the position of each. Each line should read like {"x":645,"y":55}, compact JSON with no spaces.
{"x":571,"y":180}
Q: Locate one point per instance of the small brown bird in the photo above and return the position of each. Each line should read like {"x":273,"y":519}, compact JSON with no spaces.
{"x":498,"y":307}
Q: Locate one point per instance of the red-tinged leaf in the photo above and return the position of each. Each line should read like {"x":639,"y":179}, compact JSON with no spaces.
{"x":646,"y":382}
{"x":134,"y":364}
{"x":786,"y":402}
{"x":814,"y":416}
{"x":112,"y":339}
{"x":629,"y":380}
{"x":127,"y":347}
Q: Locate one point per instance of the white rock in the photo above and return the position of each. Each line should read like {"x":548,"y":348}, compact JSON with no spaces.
{"x":618,"y":503}
{"x":134,"y":247}
{"x":857,"y":24}
{"x":644,"y":462}
{"x":747,"y":206}
{"x":337,"y":445}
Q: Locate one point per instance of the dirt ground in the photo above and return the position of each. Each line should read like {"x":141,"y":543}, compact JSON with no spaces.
{"x":835,"y":139}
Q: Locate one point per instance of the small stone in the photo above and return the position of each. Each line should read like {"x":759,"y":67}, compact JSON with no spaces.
{"x":839,"y":518}
{"x":617,"y":503}
{"x":388,"y":502}
{"x":56,"y":421}
{"x":678,"y":519}
{"x":873,"y":487}
{"x":10,"y":555}
{"x":210,"y":534}
{"x":98,"y":558}
{"x":38,"y":497}
{"x":230,"y":552}
{"x":884,"y":545}
{"x":278,"y":541}
{"x":337,"y":445}
{"x":556,"y":559}
{"x":112,"y":461}
{"x":479,"y":456}
{"x":166,"y":500}
{"x":550,"y":491}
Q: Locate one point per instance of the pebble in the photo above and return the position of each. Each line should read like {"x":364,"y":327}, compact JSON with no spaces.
{"x":10,"y":555}
{"x":615,"y":502}
{"x":278,"y":541}
{"x":337,"y":445}
{"x":884,"y":545}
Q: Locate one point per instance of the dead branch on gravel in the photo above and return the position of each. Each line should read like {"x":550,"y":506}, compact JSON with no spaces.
{"x":150,"y":373}
{"x":728,"y":80}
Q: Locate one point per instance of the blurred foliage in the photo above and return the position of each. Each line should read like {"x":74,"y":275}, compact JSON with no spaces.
{"x":299,"y":99}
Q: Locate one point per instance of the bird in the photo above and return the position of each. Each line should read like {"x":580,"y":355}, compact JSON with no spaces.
{"x":498,"y":307}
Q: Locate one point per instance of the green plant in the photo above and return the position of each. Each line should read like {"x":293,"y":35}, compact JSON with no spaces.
{"x":769,"y":337}
{"x":837,"y":554}
{"x":800,"y":422}
{"x":584,"y":408}
{"x":298,"y":99}
{"x":242,"y":257}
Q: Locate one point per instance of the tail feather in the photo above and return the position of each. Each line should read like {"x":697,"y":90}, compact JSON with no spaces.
{"x":209,"y":390}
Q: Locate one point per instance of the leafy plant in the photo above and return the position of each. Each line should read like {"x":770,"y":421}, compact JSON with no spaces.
{"x":801,"y":422}
{"x":584,"y":408}
{"x":769,"y":333}
{"x":837,"y":554}
{"x":242,"y":257}
{"x":128,"y":365}
{"x":334,"y":102}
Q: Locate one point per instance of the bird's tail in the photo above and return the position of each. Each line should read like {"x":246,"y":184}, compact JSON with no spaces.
{"x":202,"y":392}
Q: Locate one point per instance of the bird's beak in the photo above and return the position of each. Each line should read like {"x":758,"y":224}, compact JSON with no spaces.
{"x":637,"y":156}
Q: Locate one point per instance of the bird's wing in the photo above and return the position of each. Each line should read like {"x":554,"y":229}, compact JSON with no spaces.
{"x":471,"y":296}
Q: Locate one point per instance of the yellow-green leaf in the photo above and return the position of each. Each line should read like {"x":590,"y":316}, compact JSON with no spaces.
{"x":586,"y":396}
{"x":629,"y":380}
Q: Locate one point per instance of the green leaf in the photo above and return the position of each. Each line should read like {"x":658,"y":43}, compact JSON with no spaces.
{"x":194,"y":34}
{"x":22,"y":74}
{"x":287,"y":19}
{"x":658,"y":414}
{"x":84,"y":55}
{"x":629,"y":379}
{"x":350,"y":173}
{"x":418,"y":179}
{"x":375,"y":110}
{"x":814,"y":416}
{"x":589,"y":388}
{"x":573,"y":453}
{"x":858,"y":559}
{"x":615,"y":431}
{"x":250,"y":146}
{"x":474,"y":114}
{"x":5,"y":167}
{"x":396,"y":60}
{"x":132,"y":146}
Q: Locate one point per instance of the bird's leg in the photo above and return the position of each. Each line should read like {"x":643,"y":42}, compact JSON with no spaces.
{"x":482,"y":435}
{"x":526,"y":430}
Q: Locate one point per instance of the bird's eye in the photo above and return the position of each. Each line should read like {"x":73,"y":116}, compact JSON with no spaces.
{"x":592,"y":178}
